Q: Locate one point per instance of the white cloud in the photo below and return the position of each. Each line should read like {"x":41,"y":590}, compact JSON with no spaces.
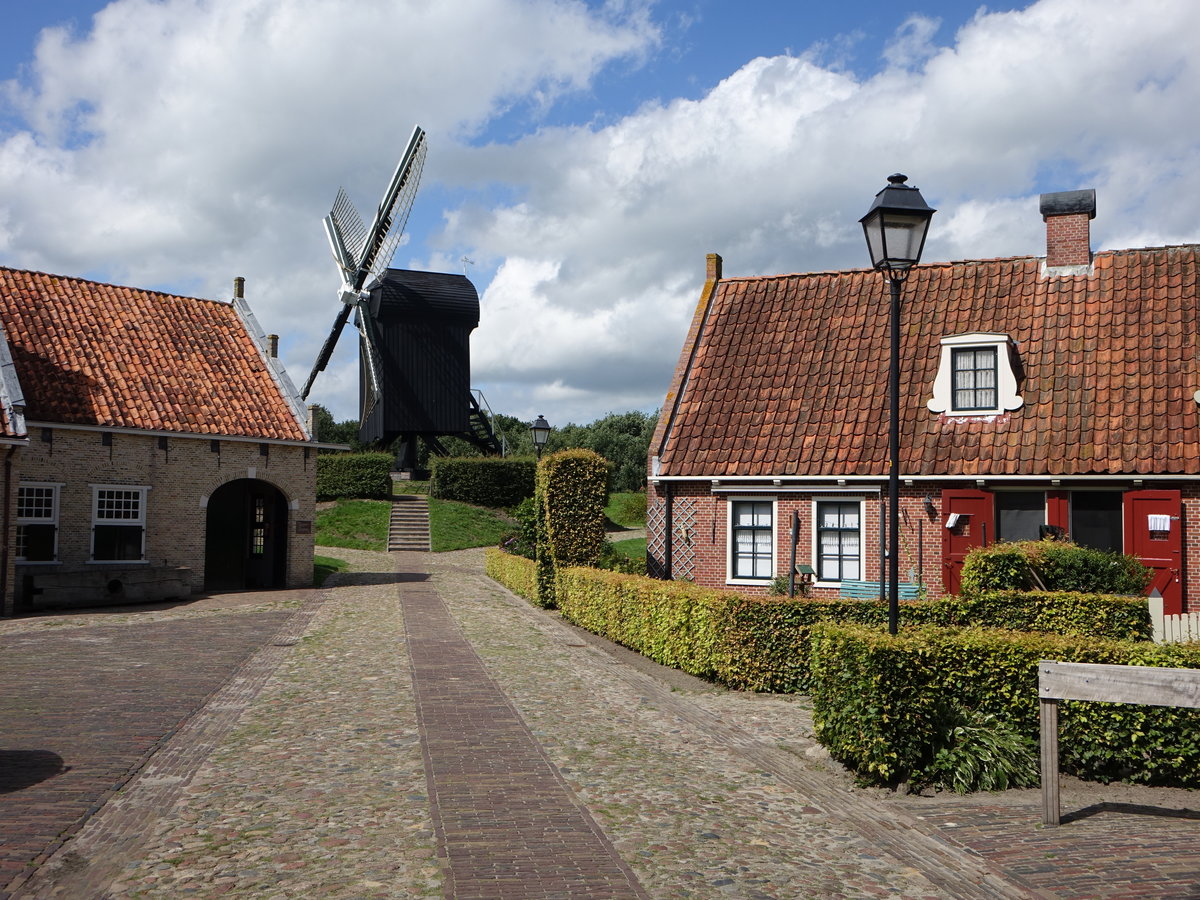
{"x":188,"y":141}
{"x":773,"y":168}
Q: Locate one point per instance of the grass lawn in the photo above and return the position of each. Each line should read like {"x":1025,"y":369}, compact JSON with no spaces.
{"x":634,"y":548}
{"x":459,"y":526}
{"x":627,"y":510}
{"x":324,"y":566}
{"x":357,"y":524}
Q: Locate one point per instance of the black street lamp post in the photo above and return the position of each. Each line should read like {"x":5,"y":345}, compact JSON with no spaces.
{"x":895,"y":227}
{"x":540,"y":430}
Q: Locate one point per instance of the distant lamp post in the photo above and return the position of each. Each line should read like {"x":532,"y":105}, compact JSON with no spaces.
{"x":895,"y":227}
{"x":540,"y":430}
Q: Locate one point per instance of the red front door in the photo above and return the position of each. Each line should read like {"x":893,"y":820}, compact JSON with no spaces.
{"x":971,"y":517}
{"x":1154,"y":534}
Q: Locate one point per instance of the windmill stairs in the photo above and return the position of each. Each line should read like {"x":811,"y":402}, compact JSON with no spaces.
{"x":408,"y":528}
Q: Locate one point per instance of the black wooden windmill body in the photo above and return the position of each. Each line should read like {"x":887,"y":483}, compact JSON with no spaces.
{"x":414,"y":328}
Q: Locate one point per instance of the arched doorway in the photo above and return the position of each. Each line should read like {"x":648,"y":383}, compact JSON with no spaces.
{"x":245,"y":538}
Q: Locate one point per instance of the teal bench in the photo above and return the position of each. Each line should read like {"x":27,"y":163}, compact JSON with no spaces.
{"x":869,"y":590}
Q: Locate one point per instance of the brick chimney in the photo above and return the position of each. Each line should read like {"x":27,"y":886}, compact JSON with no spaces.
{"x":1068,"y":234}
{"x":713,"y":267}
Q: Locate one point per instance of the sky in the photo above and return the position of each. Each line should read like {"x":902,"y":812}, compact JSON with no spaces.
{"x":584,"y":157}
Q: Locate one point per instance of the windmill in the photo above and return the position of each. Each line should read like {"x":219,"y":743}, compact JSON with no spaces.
{"x":362,"y":254}
{"x":414,"y":328}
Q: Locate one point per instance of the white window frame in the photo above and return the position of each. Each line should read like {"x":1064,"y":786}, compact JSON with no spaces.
{"x":55,"y":495}
{"x":1007,"y":398}
{"x":729,"y":553}
{"x":98,"y":520}
{"x":816,"y":537}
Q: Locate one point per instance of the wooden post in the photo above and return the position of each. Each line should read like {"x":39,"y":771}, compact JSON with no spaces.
{"x":1050,"y":802}
{"x":1144,"y":685}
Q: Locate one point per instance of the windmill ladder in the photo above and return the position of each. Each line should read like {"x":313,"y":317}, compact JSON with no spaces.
{"x":409,"y":525}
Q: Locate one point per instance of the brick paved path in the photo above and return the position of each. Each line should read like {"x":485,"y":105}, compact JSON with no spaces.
{"x":334,"y":762}
{"x":83,"y":709}
{"x":505,"y":819}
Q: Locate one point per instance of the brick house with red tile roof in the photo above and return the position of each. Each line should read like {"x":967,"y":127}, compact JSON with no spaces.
{"x":155,"y":446}
{"x":1033,"y":396}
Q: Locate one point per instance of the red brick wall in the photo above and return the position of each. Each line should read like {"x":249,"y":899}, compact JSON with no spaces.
{"x":701,"y":534}
{"x":1068,"y":240}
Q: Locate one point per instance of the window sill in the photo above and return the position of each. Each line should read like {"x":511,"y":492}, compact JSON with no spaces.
{"x":750,"y":582}
{"x":39,"y":562}
{"x":118,"y":562}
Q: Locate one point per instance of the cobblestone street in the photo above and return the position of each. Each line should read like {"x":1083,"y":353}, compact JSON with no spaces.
{"x":415,"y":730}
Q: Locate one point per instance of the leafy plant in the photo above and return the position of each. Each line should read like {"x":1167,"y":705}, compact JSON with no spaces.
{"x":1051,"y":565}
{"x":982,"y":753}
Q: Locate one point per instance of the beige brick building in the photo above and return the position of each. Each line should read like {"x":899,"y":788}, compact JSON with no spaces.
{"x":153,"y":446}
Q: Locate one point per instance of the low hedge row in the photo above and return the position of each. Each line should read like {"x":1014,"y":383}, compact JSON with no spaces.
{"x":361,"y":476}
{"x":881,"y":702}
{"x":762,"y":644}
{"x":485,"y":481}
{"x":516,"y":573}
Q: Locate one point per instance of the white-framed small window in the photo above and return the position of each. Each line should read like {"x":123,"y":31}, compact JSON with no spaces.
{"x":838,"y":539}
{"x":977,"y":376}
{"x":118,"y":523}
{"x":751,"y":540}
{"x":37,"y":521}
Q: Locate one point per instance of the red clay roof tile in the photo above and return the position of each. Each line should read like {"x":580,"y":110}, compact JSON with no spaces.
{"x":1110,"y":363}
{"x":88,"y":353}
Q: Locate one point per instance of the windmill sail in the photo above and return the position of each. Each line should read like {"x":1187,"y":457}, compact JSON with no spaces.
{"x":363,"y":253}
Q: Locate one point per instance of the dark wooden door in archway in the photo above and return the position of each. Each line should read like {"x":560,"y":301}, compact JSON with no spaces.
{"x":245,"y":543}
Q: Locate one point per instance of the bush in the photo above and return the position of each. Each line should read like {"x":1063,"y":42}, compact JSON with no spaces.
{"x":362,"y":476}
{"x":1052,"y":565}
{"x":483,"y":481}
{"x":881,"y":703}
{"x":572,"y":489}
{"x":523,"y":541}
{"x":982,"y":753}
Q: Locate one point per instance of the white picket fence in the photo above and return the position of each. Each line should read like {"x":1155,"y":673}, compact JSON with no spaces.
{"x":1172,"y":629}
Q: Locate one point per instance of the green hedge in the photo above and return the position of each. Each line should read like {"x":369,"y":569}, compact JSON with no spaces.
{"x":516,"y":573}
{"x":1056,"y":565}
{"x":572,"y":491}
{"x":361,"y":476}
{"x":486,"y":481}
{"x":762,"y":644}
{"x":881,"y":703}
{"x":671,"y":622}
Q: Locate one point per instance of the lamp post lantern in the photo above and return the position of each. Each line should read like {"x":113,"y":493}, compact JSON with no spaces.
{"x":540,"y":430}
{"x":895,"y":228}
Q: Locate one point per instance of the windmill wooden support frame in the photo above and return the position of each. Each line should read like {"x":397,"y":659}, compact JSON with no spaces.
{"x":1146,"y":685}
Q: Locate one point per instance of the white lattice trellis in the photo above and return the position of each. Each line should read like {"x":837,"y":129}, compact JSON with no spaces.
{"x":683,"y":538}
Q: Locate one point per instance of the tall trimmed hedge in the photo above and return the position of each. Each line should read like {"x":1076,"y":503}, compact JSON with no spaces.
{"x":881,"y":702}
{"x":572,"y":489}
{"x":483,"y":481}
{"x":361,"y":476}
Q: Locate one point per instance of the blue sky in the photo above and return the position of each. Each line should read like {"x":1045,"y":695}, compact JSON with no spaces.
{"x":584,"y":156}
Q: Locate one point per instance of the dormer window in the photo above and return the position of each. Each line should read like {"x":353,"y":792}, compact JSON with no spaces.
{"x":974,"y":370}
{"x":977,"y":376}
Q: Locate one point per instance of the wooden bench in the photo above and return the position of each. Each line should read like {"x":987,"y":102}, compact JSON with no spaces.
{"x":869,"y":590}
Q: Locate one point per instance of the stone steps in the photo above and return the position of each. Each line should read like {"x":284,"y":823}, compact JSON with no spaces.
{"x":408,"y":528}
